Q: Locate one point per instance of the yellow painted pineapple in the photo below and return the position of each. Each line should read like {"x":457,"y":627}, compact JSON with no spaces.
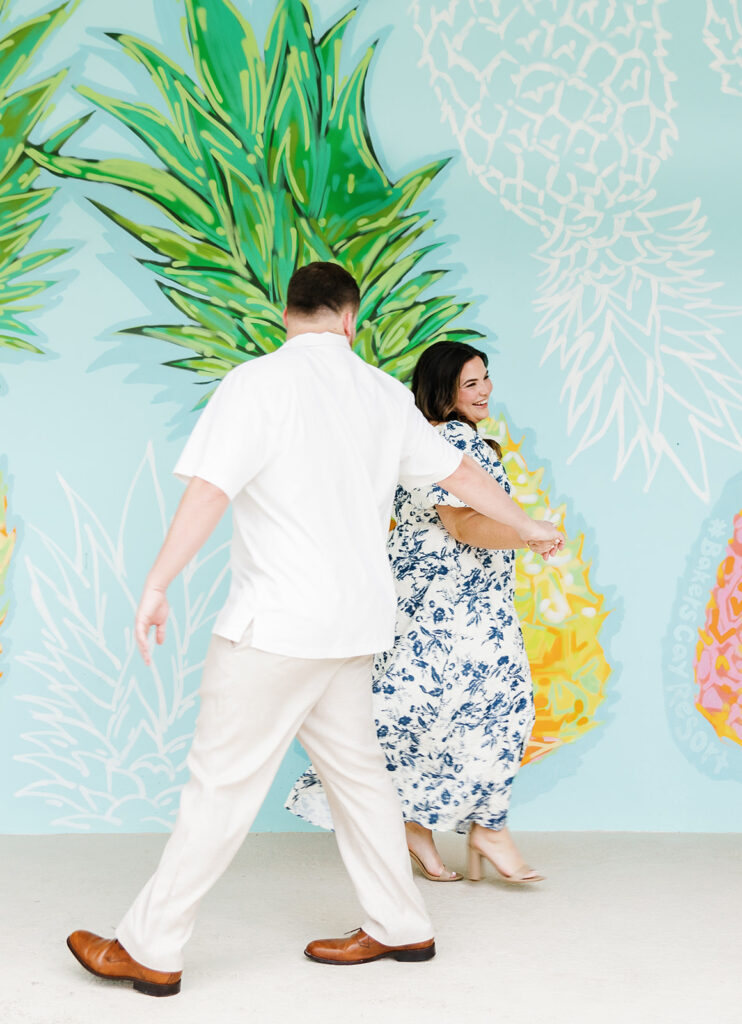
{"x":561,"y":616}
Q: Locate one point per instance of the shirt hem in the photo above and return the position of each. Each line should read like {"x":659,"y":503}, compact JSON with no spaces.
{"x":359,"y":650}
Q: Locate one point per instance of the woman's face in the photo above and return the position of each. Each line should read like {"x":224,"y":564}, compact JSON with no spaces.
{"x":475,"y":388}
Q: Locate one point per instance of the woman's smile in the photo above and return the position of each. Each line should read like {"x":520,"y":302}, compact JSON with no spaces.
{"x":474,"y":390}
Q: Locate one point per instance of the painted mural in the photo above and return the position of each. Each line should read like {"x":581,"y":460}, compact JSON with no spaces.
{"x":110,"y":736}
{"x":703,"y":646}
{"x":717,"y":665}
{"x":179,"y":171}
{"x":22,"y":202}
{"x":7,"y":543}
{"x":268,"y":164}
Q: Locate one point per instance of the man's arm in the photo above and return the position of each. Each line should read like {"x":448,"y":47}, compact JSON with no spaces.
{"x":474,"y":486}
{"x":200,"y":509}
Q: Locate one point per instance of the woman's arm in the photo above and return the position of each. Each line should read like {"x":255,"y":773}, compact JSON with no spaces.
{"x":470,"y":527}
{"x":475,"y":487}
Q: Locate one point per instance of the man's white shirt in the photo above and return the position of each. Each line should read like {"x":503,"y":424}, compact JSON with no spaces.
{"x":309,"y":444}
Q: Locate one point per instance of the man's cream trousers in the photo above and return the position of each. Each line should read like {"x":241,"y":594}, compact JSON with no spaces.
{"x":252,"y":705}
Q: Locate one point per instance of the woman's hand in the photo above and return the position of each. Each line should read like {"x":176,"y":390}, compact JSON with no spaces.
{"x":545,"y":548}
{"x":542,"y":532}
{"x":152,"y":611}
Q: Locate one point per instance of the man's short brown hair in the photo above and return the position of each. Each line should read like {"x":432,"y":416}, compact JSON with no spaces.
{"x":321,"y":286}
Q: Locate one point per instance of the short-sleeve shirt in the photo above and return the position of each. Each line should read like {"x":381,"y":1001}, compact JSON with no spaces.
{"x":309,"y":443}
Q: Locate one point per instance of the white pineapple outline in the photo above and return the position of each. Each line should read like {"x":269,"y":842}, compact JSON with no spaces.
{"x":722,"y":33}
{"x":110,"y":735}
{"x":567,"y":122}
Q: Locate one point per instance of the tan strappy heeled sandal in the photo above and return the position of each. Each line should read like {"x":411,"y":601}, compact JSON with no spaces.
{"x":445,"y":875}
{"x":475,"y":874}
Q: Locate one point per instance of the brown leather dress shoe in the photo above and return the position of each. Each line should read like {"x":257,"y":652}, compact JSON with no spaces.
{"x":360,"y":948}
{"x":107,"y":958}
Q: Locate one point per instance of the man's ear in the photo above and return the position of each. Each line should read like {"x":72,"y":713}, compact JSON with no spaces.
{"x":350,"y":317}
{"x":285,"y":318}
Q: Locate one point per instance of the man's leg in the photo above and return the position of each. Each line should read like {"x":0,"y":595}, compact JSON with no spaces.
{"x":339,"y":735}
{"x":252,"y":705}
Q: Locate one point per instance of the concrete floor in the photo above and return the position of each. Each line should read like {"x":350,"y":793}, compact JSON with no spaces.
{"x":628,"y":928}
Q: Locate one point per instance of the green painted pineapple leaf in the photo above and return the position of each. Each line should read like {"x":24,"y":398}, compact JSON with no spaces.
{"x":20,"y":344}
{"x":223,"y":287}
{"x":290,"y":33}
{"x":253,"y":215}
{"x":291,"y":158}
{"x":159,"y":134}
{"x":19,"y":114}
{"x":18,"y":48}
{"x":55,"y":141}
{"x":20,"y":203}
{"x":16,"y":207}
{"x":177,"y":247}
{"x":329,"y":50}
{"x":229,"y":67}
{"x":171,"y":81}
{"x":179,"y":202}
{"x":409,"y":291}
{"x":267,"y":163}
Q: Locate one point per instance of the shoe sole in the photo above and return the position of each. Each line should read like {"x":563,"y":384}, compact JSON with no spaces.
{"x":402,"y":955}
{"x":148,"y":988}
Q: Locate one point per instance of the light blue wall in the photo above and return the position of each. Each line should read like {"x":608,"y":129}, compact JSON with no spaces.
{"x":96,"y":409}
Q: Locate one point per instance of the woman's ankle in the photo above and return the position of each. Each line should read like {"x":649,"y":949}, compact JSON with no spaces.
{"x":481,"y":832}
{"x":418,"y":830}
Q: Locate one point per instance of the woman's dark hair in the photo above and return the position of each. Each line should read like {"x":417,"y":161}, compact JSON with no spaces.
{"x":322,"y":286}
{"x":435,"y":383}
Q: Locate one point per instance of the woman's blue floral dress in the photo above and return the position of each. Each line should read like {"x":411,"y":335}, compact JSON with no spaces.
{"x":453,"y":698}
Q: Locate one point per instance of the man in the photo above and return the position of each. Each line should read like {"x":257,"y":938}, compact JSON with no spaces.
{"x":308,"y":445}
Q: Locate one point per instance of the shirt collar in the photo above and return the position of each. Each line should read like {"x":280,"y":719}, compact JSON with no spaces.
{"x":325,"y":339}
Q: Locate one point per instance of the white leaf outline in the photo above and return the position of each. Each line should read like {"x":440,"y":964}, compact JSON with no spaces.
{"x":92,"y":761}
{"x":722,"y":34}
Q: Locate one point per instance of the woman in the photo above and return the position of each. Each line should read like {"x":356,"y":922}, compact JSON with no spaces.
{"x":453,"y":699}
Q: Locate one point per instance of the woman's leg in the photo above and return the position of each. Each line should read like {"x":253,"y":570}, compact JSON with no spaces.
{"x":421,"y":843}
{"x":498,"y":846}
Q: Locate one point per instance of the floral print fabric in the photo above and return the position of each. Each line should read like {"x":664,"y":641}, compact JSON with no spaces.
{"x":453,"y":699}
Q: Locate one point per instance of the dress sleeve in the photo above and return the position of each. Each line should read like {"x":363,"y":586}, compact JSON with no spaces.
{"x":426,"y":456}
{"x":228,"y":445}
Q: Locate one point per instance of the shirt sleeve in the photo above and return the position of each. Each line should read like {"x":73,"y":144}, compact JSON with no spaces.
{"x":426,"y":457}
{"x":461,"y":438}
{"x":227,"y":447}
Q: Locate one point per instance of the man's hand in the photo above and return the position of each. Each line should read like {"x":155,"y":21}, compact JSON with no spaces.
{"x":200,"y":509}
{"x":152,"y":611}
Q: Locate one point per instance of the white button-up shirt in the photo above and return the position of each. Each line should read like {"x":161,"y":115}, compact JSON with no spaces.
{"x":309,"y":443}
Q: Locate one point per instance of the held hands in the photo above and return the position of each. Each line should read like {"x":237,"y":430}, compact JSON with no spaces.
{"x":152,"y":611}
{"x":545,"y":548}
{"x":543,"y":538}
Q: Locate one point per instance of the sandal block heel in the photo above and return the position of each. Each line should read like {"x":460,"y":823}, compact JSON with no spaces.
{"x":474,"y":866}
